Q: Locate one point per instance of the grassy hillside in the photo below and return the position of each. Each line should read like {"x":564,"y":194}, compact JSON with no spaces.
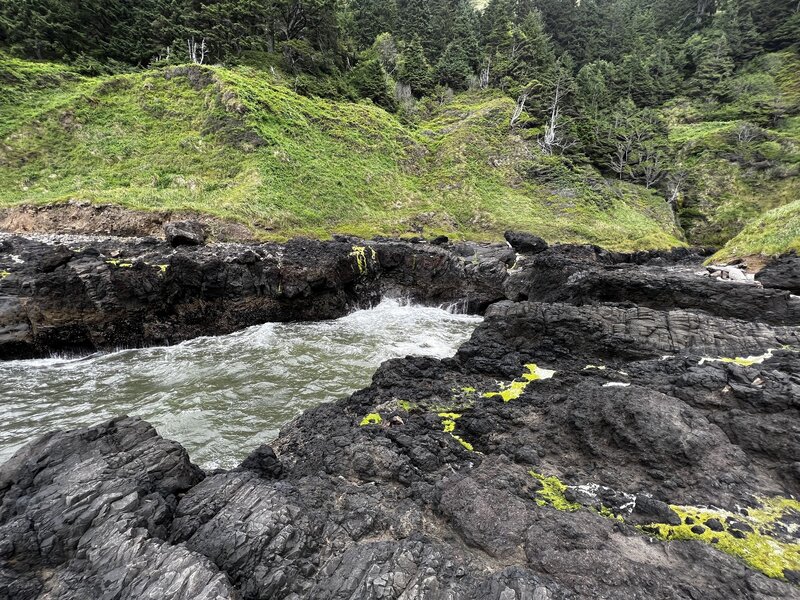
{"x":740,"y":158}
{"x":775,"y":232}
{"x":240,"y":144}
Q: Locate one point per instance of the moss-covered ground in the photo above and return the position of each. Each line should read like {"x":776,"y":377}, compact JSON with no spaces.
{"x":239,"y":144}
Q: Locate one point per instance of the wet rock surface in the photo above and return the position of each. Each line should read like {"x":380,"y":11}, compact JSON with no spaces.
{"x":79,"y":294}
{"x":639,"y":442}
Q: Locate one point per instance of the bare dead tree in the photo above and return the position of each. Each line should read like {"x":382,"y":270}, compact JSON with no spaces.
{"x":676,"y":182}
{"x":650,"y":163}
{"x":620,"y":160}
{"x":520,"y":106}
{"x":703,"y":8}
{"x":405,"y":99}
{"x":163,"y":56}
{"x":484,"y":79}
{"x":553,"y":139}
{"x":197,"y":52}
{"x":746,"y":133}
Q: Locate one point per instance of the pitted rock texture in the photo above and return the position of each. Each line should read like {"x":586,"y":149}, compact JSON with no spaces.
{"x":601,"y":393}
{"x":635,"y":408}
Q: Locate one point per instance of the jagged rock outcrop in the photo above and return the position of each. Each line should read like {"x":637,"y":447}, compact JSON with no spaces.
{"x":782,"y":273}
{"x":569,"y":450}
{"x":81,"y":295}
{"x":586,"y":275}
{"x":77,"y":294}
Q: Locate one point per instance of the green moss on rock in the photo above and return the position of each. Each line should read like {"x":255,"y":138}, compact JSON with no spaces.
{"x":552,"y":493}
{"x":754,"y":540}
{"x":371,"y":419}
{"x":513,"y":390}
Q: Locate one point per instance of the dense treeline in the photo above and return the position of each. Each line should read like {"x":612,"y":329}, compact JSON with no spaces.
{"x":657,"y":36}
{"x":587,"y":73}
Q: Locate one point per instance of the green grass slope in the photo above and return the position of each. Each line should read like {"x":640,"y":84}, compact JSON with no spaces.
{"x":239,"y":144}
{"x":775,"y":232}
{"x":740,"y":158}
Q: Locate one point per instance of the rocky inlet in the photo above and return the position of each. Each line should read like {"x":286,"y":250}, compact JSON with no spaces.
{"x":617,"y":427}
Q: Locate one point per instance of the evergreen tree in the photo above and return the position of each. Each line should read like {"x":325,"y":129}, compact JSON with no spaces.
{"x":713,"y":64}
{"x":453,"y":68}
{"x":593,"y":88}
{"x":535,"y":57}
{"x":736,"y":21}
{"x":371,"y":18}
{"x":415,"y":22}
{"x":466,"y":33}
{"x":371,"y":81}
{"x":414,"y":69}
{"x":665,"y":68}
{"x":634,"y":80}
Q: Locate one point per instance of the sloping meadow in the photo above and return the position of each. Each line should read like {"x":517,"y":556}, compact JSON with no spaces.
{"x":240,"y":144}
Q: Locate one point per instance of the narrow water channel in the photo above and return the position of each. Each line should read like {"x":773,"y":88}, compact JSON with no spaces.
{"x":222,"y":396}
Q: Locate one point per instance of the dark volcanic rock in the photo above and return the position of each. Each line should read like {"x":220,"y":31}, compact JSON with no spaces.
{"x":525,"y":243}
{"x":95,"y":505}
{"x":435,"y":275}
{"x":113,"y":293}
{"x":563,"y":453}
{"x":585,"y":275}
{"x":103,"y":294}
{"x":782,"y":273}
{"x":184,"y":233}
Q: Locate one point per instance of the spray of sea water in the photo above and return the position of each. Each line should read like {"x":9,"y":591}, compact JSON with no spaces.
{"x":222,"y":396}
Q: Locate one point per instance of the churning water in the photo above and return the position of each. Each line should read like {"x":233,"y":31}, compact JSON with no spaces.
{"x":222,"y":396}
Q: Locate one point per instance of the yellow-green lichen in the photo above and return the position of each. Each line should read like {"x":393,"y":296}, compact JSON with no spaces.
{"x":513,"y":390}
{"x":748,"y":361}
{"x":449,"y":426}
{"x":606,"y":512}
{"x":4,"y":274}
{"x":449,"y":421}
{"x":760,"y":548}
{"x":552,"y":493}
{"x":463,"y":442}
{"x":117,"y":262}
{"x":761,"y":537}
{"x":407,"y":405}
{"x":362,"y":258}
{"x":371,"y":419}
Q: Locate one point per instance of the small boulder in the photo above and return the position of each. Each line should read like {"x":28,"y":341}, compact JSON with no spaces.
{"x":714,"y":525}
{"x":185,"y":233}
{"x":650,"y":510}
{"x":525,"y":243}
